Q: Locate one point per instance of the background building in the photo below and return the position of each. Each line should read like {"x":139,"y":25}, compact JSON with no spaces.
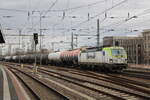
{"x":133,"y":46}
{"x":146,"y":39}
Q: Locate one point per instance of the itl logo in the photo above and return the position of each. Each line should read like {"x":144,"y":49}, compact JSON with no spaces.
{"x":90,"y":55}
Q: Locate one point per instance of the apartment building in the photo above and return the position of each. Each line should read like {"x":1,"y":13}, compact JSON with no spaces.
{"x":146,"y":40}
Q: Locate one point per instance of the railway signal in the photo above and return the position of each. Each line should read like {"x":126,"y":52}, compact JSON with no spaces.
{"x":35,"y":38}
{"x":35,"y":35}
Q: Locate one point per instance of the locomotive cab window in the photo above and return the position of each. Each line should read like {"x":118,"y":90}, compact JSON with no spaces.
{"x":117,"y":51}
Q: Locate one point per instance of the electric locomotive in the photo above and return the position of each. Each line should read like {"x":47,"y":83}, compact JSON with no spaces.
{"x":106,"y":58}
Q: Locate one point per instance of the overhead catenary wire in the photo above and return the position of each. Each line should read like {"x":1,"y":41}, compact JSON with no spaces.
{"x":15,"y":10}
{"x":140,"y":14}
{"x":90,"y":16}
{"x":53,"y":4}
{"x":83,"y":6}
{"x":91,"y":4}
{"x":124,"y":21}
{"x":119,"y":23}
{"x":146,"y":11}
{"x":70,"y":9}
{"x":28,"y":12}
{"x":43,"y":13}
{"x":95,"y":16}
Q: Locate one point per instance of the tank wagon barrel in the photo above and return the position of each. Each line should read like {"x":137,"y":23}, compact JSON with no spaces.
{"x":70,"y":57}
{"x":54,"y":58}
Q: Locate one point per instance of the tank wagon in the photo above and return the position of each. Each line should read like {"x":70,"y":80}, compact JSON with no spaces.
{"x":100,"y":58}
{"x":70,"y":58}
{"x":42,"y":57}
{"x":7,"y":58}
{"x":14,"y":58}
{"x":54,"y":58}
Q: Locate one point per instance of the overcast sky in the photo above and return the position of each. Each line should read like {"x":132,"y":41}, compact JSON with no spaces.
{"x":61,"y":16}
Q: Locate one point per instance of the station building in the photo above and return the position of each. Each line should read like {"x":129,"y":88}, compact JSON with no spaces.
{"x":146,"y":39}
{"x":133,"y":46}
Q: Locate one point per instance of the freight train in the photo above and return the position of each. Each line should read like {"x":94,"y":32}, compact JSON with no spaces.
{"x":112,"y":58}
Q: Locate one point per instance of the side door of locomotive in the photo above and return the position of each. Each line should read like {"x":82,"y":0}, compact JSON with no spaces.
{"x":103,"y":56}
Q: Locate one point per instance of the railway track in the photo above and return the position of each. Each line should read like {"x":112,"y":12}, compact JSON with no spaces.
{"x":119,"y":87}
{"x":139,"y":70}
{"x":95,"y":83}
{"x":128,"y":77}
{"x":138,"y":94}
{"x":71,"y":94}
{"x":144,"y":74}
{"x":38,"y":89}
{"x":105,"y":93}
{"x":89,"y":85}
{"x":136,"y":75}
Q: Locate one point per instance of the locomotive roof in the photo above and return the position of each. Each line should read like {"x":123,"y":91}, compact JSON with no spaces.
{"x":99,"y":48}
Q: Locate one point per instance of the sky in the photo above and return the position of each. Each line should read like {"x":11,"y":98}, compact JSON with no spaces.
{"x":61,"y":18}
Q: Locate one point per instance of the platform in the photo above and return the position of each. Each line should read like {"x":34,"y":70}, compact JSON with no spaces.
{"x":10,"y":88}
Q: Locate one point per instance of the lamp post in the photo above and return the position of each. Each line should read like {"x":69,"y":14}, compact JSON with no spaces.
{"x":98,"y":34}
{"x":19,"y":45}
{"x":72,"y":41}
{"x":72,"y":17}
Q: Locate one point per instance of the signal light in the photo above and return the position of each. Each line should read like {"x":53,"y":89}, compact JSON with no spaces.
{"x":35,"y":38}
